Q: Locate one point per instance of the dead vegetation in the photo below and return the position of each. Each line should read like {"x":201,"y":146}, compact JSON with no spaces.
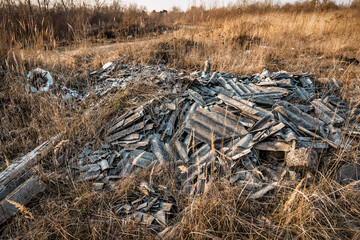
{"x":240,"y":40}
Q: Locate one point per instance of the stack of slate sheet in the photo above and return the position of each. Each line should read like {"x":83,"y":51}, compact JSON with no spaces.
{"x":211,"y":125}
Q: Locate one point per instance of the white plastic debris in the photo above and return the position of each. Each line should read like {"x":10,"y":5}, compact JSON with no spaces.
{"x":265,"y":73}
{"x":71,"y":93}
{"x":266,"y":47}
{"x":39,"y":80}
{"x":106,"y":65}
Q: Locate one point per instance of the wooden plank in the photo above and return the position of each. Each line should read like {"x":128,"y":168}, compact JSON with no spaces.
{"x":22,"y":195}
{"x":17,"y":172}
{"x":11,"y":186}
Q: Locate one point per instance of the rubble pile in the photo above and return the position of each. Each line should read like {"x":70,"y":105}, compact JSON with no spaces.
{"x":153,"y":205}
{"x":253,"y":131}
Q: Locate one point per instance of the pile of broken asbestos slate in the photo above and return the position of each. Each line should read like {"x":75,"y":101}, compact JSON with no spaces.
{"x":200,"y":122}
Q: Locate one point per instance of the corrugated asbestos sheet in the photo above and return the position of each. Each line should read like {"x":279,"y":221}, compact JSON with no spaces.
{"x":208,"y":125}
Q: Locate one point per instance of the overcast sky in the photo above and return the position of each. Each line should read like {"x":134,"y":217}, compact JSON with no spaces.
{"x":185,"y":4}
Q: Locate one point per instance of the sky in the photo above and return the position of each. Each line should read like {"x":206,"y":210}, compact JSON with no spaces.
{"x":159,"y":5}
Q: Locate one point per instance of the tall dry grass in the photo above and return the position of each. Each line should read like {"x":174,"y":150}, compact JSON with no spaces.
{"x":291,"y":41}
{"x":53,"y":24}
{"x":243,"y":40}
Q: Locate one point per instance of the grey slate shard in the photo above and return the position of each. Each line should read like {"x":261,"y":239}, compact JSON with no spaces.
{"x":131,"y":137}
{"x":142,"y":159}
{"x":160,"y":217}
{"x":126,"y":131}
{"x":325,"y":113}
{"x":265,"y":95}
{"x":199,"y":152}
{"x":158,"y":149}
{"x":208,"y":126}
{"x":260,"y":136}
{"x":241,"y":154}
{"x":240,"y":175}
{"x":171,"y":124}
{"x":227,"y":75}
{"x":126,"y":169}
{"x":150,"y":204}
{"x":242,"y":143}
{"x":280,"y":75}
{"x":211,"y":101}
{"x":225,"y":113}
{"x":177,"y":151}
{"x":262,"y":124}
{"x":306,"y":82}
{"x":245,"y":109}
{"x":302,"y":94}
{"x":276,"y":146}
{"x":104,"y":165}
{"x":190,"y":112}
{"x":296,"y":116}
{"x":244,"y":88}
{"x":208,"y":91}
{"x":121,"y":164}
{"x":213,"y":78}
{"x":90,"y":168}
{"x":331,"y":143}
{"x":288,"y":135}
{"x":248,"y":164}
{"x":196,"y":97}
{"x":286,"y":83}
{"x":208,"y":157}
{"x":311,"y":143}
{"x":123,"y":122}
{"x":228,"y":86}
{"x":131,"y":145}
{"x":221,"y":90}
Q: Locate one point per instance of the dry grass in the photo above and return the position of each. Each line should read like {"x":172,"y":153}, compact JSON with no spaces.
{"x":244,"y":42}
{"x":314,"y":42}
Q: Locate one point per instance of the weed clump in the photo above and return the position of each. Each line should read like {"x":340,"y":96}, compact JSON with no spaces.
{"x":246,"y":41}
{"x":170,"y":52}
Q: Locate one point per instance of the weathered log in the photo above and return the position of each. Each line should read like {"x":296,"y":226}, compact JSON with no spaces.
{"x":22,"y":195}
{"x":17,"y":182}
{"x":11,"y":177}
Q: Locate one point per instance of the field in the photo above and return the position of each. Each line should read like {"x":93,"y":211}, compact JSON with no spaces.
{"x":321,"y":39}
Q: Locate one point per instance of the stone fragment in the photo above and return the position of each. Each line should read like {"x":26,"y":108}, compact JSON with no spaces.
{"x":303,"y":158}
